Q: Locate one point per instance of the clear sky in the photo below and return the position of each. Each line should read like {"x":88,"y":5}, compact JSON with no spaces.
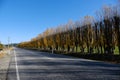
{"x":22,"y":20}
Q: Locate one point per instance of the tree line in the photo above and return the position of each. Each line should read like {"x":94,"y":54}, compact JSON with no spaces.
{"x":89,"y":35}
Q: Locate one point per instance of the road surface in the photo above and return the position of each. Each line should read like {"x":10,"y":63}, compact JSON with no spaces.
{"x":33,"y":65}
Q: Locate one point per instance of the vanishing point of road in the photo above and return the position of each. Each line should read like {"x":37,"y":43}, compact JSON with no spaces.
{"x":34,"y":65}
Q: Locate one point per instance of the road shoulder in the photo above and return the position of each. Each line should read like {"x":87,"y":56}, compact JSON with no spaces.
{"x":4,"y":65}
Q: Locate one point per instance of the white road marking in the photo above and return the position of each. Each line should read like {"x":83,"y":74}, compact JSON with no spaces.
{"x":17,"y":71}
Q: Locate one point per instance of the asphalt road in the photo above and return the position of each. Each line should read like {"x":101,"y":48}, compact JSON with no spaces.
{"x":33,"y":65}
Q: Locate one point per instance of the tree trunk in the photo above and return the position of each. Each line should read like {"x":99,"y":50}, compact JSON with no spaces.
{"x":76,"y":47}
{"x":68,"y":48}
{"x":101,"y":49}
{"x":119,"y":49}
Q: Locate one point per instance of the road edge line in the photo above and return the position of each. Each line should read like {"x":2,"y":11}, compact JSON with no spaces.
{"x":17,"y":71}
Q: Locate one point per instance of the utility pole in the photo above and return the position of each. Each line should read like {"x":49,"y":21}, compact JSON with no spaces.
{"x":8,"y":45}
{"x":52,"y":49}
{"x":8,"y":41}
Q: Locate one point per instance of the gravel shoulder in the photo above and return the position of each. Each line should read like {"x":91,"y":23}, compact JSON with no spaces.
{"x":4,"y":65}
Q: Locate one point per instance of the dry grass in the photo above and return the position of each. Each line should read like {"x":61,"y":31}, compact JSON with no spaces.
{"x":2,"y":54}
{"x":5,"y":52}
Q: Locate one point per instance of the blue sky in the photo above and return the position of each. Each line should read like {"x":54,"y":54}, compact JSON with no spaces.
{"x":22,"y":20}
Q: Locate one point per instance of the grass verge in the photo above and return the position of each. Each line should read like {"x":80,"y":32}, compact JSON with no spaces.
{"x":115,"y":58}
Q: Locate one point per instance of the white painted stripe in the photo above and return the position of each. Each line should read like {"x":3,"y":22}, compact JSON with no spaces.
{"x":17,"y":71}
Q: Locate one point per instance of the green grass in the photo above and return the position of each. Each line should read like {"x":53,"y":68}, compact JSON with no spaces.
{"x":116,"y":50}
